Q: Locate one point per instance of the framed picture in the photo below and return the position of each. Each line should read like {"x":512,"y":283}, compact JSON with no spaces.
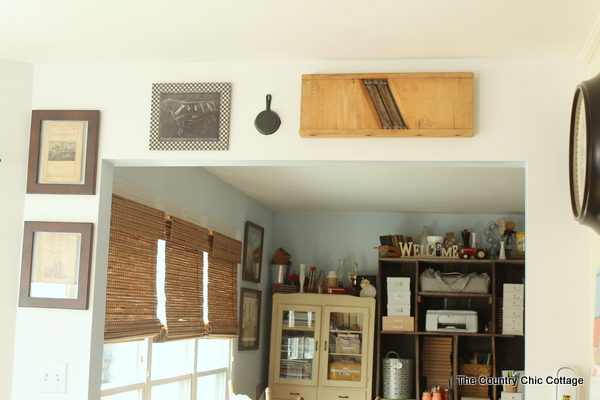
{"x":190,"y":116}
{"x":253,"y":251}
{"x":249,"y":319}
{"x":63,"y":151}
{"x":55,"y":269}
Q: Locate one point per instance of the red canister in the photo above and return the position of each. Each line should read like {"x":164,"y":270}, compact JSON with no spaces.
{"x":446,"y":394}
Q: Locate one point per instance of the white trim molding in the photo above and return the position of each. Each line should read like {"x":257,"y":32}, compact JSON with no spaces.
{"x":591,"y":45}
{"x":134,"y":193}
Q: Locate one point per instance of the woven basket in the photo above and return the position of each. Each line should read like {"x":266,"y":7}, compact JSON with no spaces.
{"x":474,"y":370}
{"x":281,"y":288}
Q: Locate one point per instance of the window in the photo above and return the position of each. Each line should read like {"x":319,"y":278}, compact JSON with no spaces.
{"x":167,"y":331}
{"x":193,"y":369}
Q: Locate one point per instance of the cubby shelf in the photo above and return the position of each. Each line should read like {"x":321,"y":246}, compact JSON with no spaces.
{"x":506,"y":352}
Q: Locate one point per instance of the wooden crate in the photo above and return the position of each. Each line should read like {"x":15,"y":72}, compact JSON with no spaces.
{"x":430,"y":105}
{"x":389,"y":251}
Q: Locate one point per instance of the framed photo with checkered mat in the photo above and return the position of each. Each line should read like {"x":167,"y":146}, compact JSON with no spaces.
{"x":190,"y":116}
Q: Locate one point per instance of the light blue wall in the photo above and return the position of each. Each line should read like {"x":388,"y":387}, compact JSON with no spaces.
{"x":312,"y":238}
{"x":320,"y":239}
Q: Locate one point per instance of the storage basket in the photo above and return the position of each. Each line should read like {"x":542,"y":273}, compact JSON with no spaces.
{"x":474,"y":370}
{"x":398,"y":377}
{"x":281,"y":257}
{"x":281,"y":288}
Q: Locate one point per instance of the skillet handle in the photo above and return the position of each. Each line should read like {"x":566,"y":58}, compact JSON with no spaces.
{"x":268,"y":102}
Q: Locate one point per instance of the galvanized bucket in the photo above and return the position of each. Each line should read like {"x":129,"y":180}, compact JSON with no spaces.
{"x":398,"y":377}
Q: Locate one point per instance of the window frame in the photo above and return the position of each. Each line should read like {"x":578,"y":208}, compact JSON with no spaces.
{"x":148,"y":383}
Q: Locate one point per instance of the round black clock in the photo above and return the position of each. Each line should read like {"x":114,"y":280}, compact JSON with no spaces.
{"x":584,"y":154}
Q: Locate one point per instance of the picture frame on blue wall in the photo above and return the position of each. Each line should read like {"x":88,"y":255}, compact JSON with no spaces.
{"x":253,"y":252}
{"x":63,"y":152}
{"x":249,"y":319}
{"x":55,"y":268}
{"x":190,"y":116}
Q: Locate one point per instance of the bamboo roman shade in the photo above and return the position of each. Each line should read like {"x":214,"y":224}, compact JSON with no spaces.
{"x":225,"y":248}
{"x":186,"y":233}
{"x":131,"y":293}
{"x":131,"y":282}
{"x":186,"y":244}
{"x":225,"y":254}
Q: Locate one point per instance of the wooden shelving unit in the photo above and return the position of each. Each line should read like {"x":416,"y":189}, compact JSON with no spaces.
{"x":506,"y":351}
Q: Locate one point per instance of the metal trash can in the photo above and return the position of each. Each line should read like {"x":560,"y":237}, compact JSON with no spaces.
{"x":398,"y":377}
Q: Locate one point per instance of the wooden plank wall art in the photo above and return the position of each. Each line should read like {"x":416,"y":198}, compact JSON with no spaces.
{"x":387,"y":105}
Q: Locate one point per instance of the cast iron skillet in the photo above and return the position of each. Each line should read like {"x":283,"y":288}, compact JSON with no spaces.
{"x":267,"y":122}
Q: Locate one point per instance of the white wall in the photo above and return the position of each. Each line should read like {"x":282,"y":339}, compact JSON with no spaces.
{"x":16,"y":84}
{"x":522,"y":110}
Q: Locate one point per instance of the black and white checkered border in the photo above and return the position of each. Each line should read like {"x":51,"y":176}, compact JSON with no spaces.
{"x":224,"y":88}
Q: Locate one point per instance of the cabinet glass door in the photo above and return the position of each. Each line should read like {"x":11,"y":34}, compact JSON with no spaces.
{"x":299,"y":336}
{"x":346,"y":334}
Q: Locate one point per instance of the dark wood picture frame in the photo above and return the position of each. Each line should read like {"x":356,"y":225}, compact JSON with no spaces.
{"x":55,"y":269}
{"x":250,"y":304}
{"x":63,"y":152}
{"x":253,"y":252}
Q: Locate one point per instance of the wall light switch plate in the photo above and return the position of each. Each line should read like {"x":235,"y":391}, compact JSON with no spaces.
{"x":52,"y":378}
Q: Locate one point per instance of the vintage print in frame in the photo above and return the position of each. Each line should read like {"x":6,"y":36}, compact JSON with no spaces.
{"x":63,"y":152}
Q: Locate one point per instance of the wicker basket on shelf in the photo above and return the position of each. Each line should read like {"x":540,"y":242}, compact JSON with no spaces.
{"x":474,"y":370}
{"x":281,"y":288}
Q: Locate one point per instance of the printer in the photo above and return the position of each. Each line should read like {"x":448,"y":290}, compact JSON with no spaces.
{"x":451,"y":321}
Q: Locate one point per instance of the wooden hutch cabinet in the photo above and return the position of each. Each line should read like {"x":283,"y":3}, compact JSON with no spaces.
{"x":321,"y":347}
{"x":441,"y":356}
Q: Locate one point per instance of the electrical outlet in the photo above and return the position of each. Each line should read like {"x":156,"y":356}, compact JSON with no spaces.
{"x":52,"y":377}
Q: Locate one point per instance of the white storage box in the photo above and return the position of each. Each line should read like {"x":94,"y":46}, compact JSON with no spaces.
{"x":512,"y":302}
{"x":398,"y":310}
{"x":398,"y":284}
{"x":511,"y":396}
{"x":516,"y":321}
{"x":509,"y":296}
{"x":513,"y":311}
{"x":398,"y":297}
{"x":512,"y":329}
{"x":514,"y":287}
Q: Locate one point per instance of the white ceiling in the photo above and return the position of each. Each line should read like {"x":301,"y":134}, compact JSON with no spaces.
{"x":136,"y":31}
{"x":184,"y":31}
{"x":429,"y":188}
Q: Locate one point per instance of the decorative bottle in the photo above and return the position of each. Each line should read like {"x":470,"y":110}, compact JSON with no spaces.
{"x":449,"y":240}
{"x":320,"y":282}
{"x":502,"y":255}
{"x":423,"y":238}
{"x":340,"y":272}
{"x":302,"y":277}
{"x":466,"y":235}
